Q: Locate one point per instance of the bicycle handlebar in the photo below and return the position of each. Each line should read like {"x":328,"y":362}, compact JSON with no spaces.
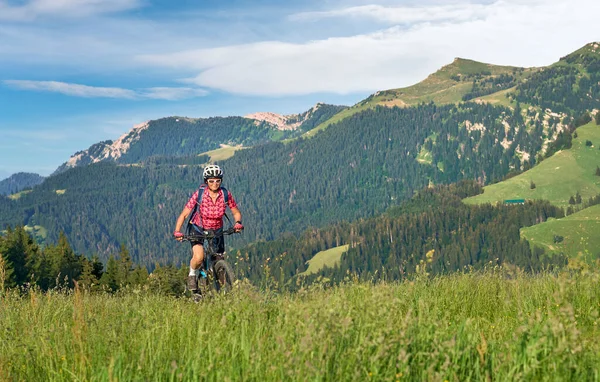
{"x":208,"y":235}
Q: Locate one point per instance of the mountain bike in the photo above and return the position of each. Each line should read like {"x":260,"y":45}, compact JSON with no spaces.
{"x":215,"y":273}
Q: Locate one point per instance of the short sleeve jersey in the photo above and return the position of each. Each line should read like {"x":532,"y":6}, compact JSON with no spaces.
{"x":210,"y":214}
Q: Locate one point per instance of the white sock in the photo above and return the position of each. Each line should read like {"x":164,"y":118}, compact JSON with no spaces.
{"x":194,"y":272}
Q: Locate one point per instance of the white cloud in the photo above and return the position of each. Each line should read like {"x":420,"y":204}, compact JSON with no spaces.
{"x":403,"y":15}
{"x":519,"y":33}
{"x":33,"y":9}
{"x":413,"y":42}
{"x":77,"y":90}
{"x":72,"y":89}
{"x":173,"y":94}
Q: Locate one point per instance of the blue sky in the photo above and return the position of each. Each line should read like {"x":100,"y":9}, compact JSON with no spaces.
{"x":75,"y":72}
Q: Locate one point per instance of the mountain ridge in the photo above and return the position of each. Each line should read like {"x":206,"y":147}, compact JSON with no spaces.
{"x":197,"y":133}
{"x":19,"y":181}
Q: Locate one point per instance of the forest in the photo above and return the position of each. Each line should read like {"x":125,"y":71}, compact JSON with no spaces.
{"x":434,"y":229}
{"x":281,"y":187}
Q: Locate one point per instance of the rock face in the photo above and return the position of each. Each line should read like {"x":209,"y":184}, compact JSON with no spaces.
{"x":106,"y":150}
{"x":283,"y":122}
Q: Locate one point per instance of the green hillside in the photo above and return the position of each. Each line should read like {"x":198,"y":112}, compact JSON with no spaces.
{"x":448,"y":85}
{"x":557,"y":178}
{"x":327,"y":258}
{"x":580,"y":234}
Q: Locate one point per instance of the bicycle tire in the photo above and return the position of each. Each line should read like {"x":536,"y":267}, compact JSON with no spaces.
{"x":222,"y":268}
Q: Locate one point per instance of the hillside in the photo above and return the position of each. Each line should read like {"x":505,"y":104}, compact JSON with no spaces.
{"x":557,"y":178}
{"x":18,"y":182}
{"x":434,"y":229}
{"x":577,"y":235}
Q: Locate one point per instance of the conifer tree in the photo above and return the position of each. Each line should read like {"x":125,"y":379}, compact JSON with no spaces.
{"x":110,"y":278}
{"x":88,"y":280}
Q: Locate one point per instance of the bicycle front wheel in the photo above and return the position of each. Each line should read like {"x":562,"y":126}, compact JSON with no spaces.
{"x":225,"y":278}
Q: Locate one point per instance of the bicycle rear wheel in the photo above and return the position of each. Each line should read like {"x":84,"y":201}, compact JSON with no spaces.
{"x":224,"y":276}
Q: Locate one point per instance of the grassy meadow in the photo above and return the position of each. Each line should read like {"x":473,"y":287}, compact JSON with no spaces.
{"x":492,"y":325}
{"x":327,"y":258}
{"x":580,"y":232}
{"x":556,"y":178}
{"x":225,"y":152}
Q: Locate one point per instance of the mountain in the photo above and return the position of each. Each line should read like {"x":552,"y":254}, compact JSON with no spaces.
{"x":181,"y":136}
{"x":18,"y":182}
{"x":460,"y":80}
{"x":357,"y":168}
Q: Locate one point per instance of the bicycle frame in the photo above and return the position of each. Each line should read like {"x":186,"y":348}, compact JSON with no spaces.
{"x":210,"y":256}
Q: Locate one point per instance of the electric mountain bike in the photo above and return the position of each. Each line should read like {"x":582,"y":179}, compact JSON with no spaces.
{"x":215,"y":273}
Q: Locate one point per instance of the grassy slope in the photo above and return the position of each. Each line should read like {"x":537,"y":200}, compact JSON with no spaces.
{"x":581,"y":232}
{"x":499,"y":98}
{"x":18,"y":194}
{"x":556,"y":178}
{"x":438,"y":87}
{"x":322,"y":259}
{"x":461,"y":327}
{"x":222,"y":153}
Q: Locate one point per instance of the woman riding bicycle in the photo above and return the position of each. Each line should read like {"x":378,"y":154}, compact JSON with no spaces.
{"x":209,"y":210}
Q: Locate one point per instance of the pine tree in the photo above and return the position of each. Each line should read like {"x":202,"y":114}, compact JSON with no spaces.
{"x":125,"y":267}
{"x":109,"y":279}
{"x":19,"y":252}
{"x":5,"y":271}
{"x":87,"y":280}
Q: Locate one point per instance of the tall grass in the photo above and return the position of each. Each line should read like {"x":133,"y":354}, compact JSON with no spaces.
{"x":492,"y":325}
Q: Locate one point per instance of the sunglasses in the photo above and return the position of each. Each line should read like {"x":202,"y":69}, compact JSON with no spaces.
{"x":214,"y":181}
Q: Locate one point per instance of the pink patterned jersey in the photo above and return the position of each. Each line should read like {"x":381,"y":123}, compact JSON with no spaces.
{"x":211,"y":213}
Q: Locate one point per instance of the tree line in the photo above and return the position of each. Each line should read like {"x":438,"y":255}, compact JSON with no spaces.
{"x":23,"y":263}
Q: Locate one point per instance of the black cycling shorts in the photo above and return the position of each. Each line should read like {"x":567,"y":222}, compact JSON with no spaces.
{"x":217,"y":242}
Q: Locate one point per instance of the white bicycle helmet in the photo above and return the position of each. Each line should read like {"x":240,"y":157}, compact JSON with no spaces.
{"x":212,"y":171}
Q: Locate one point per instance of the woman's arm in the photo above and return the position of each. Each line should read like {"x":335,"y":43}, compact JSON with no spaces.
{"x":184,"y":214}
{"x":237,"y":215}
